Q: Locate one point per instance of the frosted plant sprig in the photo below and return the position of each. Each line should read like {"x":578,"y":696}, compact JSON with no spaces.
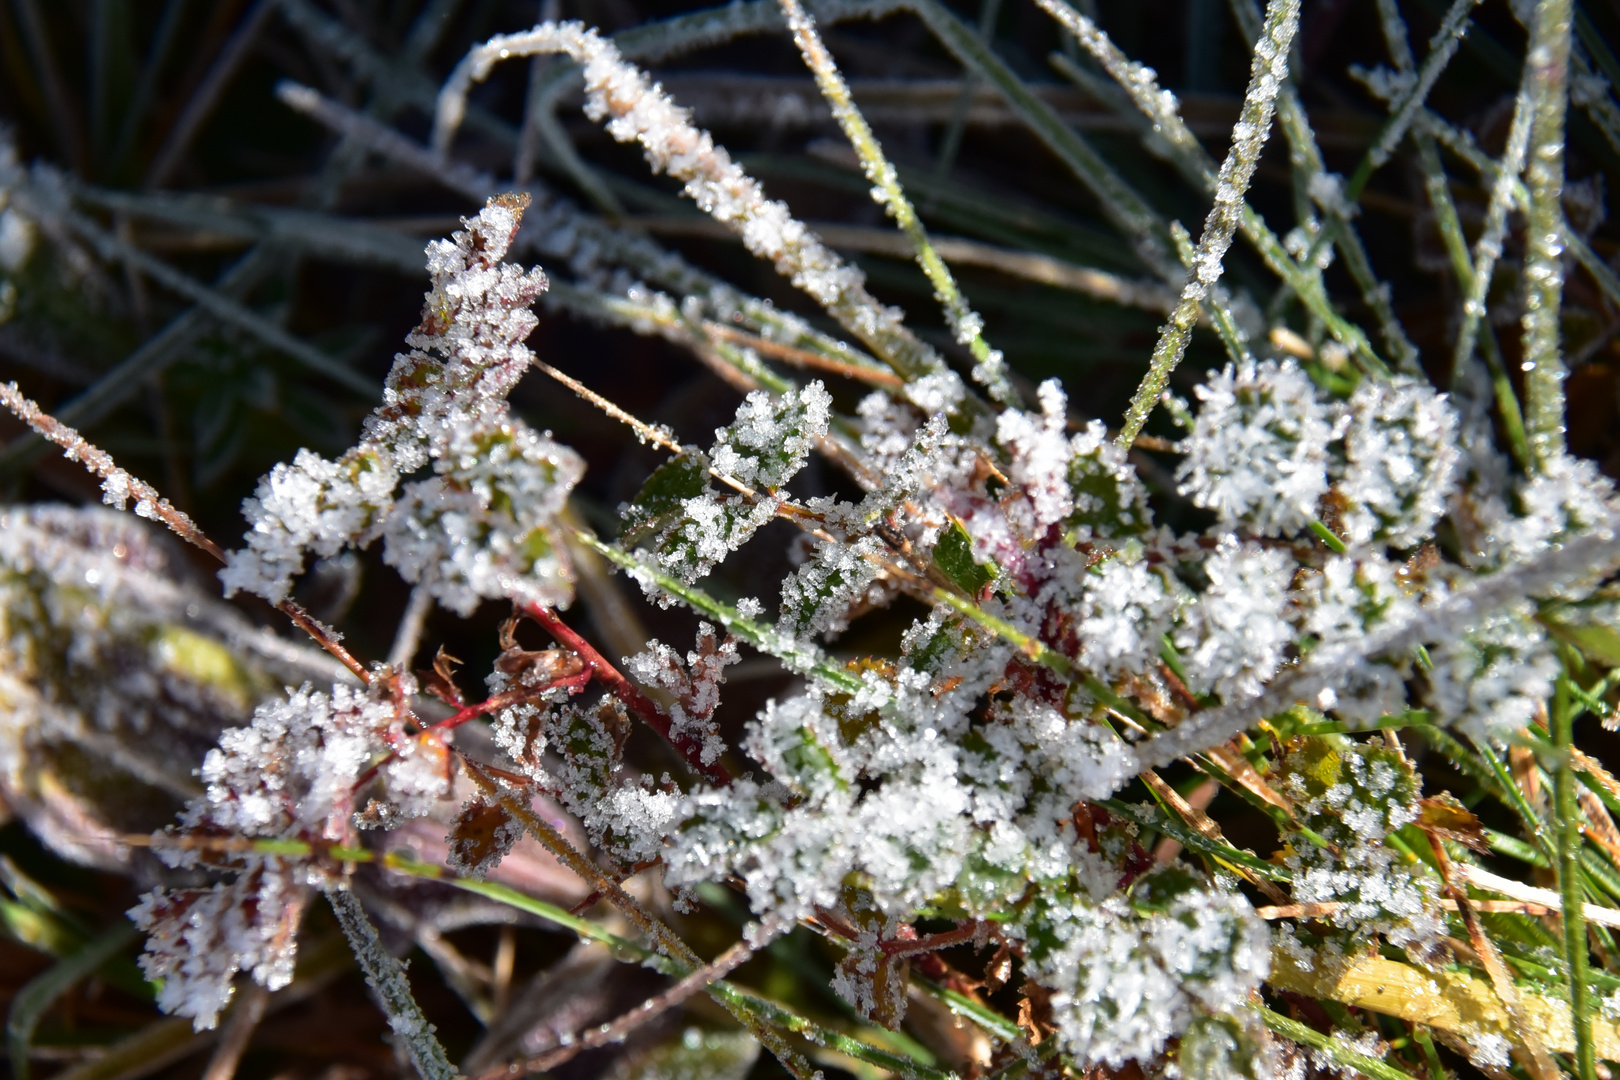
{"x":639,"y":111}
{"x":1406,"y":105}
{"x":478,"y":526}
{"x":966,"y":325}
{"x":1488,"y":247}
{"x":1249,"y":135}
{"x":1161,"y":108}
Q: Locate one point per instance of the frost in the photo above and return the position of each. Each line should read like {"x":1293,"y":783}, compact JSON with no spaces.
{"x":1127,"y":607}
{"x":694,"y":524}
{"x":1134,"y":971}
{"x":694,"y":684}
{"x":1259,"y":447}
{"x":1400,"y":451}
{"x":1233,"y":638}
{"x":1354,"y":795}
{"x":482,"y":525}
{"x":1498,"y":677}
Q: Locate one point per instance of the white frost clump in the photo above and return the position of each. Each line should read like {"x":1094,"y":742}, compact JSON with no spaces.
{"x":1259,"y":447}
{"x":694,"y":685}
{"x":481,"y":526}
{"x":1355,"y":795}
{"x":1039,"y":449}
{"x":288,"y":775}
{"x":198,"y":939}
{"x":1232,"y":638}
{"x":1498,"y":677}
{"x":1348,"y":599}
{"x":1126,"y":607}
{"x":1401,"y":454}
{"x":1134,"y":971}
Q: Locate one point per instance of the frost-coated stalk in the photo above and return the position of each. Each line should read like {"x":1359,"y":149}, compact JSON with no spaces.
{"x":386,"y":976}
{"x":1547,"y":66}
{"x":1407,"y":105}
{"x":1140,"y":83}
{"x":966,"y":324}
{"x":1488,"y":248}
{"x":1266,"y":74}
{"x":1438,"y":188}
{"x":1325,"y":190}
{"x":637,"y":110}
{"x":1442,"y":47}
{"x":1220,"y":312}
{"x":1160,"y":106}
{"x":1595,"y":553}
{"x":1569,"y":881}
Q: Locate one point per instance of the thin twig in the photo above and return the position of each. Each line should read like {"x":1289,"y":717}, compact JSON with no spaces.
{"x":118,"y":487}
{"x":617,"y":1030}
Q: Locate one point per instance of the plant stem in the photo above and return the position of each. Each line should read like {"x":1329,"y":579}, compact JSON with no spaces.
{"x":1569,"y":883}
{"x":1548,"y":66}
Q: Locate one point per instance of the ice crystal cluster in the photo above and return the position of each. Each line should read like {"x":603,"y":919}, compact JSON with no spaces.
{"x":1333,"y":555}
{"x":481,"y":525}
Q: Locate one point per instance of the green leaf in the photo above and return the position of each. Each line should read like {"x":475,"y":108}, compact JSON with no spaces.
{"x":1595,"y":640}
{"x":666,"y":492}
{"x":954,"y":555}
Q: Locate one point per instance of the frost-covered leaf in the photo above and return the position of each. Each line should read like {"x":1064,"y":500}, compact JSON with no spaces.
{"x":869,"y":977}
{"x":953,"y":554}
{"x":671,"y":485}
{"x":818,"y":597}
{"x":698,"y":523}
{"x":1354,"y":794}
{"x":1400,"y":456}
{"x":771,"y":438}
{"x":1137,"y":969}
{"x":694,"y":684}
{"x":481,"y":836}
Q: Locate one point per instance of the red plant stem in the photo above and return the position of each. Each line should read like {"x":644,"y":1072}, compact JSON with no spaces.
{"x":906,"y":943}
{"x":690,"y":749}
{"x":572,"y":683}
{"x":933,"y":942}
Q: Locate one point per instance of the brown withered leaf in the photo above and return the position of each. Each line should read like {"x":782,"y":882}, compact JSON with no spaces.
{"x":1443,"y":816}
{"x":534,"y":667}
{"x":1035,"y":1012}
{"x":482,"y":835}
{"x":879,"y":982}
{"x":441,"y":682}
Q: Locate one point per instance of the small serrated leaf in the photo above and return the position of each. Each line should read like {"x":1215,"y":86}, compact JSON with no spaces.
{"x":1444,"y":816}
{"x":954,"y":556}
{"x":483,"y":833}
{"x":666,"y":492}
